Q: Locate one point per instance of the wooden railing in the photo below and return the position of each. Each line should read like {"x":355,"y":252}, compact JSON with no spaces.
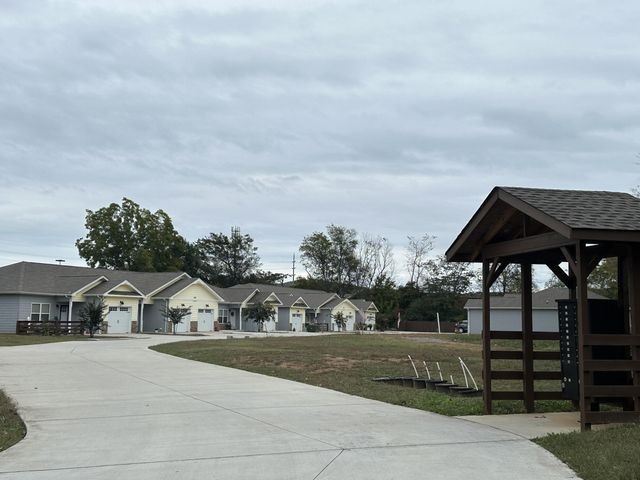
{"x":54,"y":327}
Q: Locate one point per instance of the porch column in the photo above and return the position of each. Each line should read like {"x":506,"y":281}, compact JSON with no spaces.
{"x":584,"y":352}
{"x":486,"y":338}
{"x":633,"y":275}
{"x":141,"y":319}
{"x":240,"y":319}
{"x":527,"y":337}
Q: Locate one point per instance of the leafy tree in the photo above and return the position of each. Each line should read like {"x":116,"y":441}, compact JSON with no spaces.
{"x":340,"y":319}
{"x":92,"y":315}
{"x":175,"y":315}
{"x":384,"y":294}
{"x":331,"y":257}
{"x":604,"y":279}
{"x":129,"y":237}
{"x":228,"y":260}
{"x":509,"y":281}
{"x":260,"y":313}
{"x":454,"y":278}
{"x":429,"y":305}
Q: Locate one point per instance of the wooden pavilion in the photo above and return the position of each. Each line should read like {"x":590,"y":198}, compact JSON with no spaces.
{"x":528,"y":226}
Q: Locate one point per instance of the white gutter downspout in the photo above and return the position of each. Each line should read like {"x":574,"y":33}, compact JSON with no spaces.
{"x":140,"y":323}
{"x":70,"y":311}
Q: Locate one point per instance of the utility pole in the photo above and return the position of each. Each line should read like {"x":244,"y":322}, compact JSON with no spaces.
{"x":60,"y":261}
{"x":293,"y":269}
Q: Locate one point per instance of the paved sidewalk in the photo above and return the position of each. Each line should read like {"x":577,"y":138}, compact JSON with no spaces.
{"x":116,"y":410}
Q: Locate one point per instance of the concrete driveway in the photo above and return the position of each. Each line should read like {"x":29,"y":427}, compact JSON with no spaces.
{"x":116,"y":410}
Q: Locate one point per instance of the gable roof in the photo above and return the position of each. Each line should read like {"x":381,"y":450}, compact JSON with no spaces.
{"x":51,"y":279}
{"x":363,"y":305}
{"x":333,"y":303}
{"x":235,"y":295}
{"x":571,"y":214}
{"x":541,"y":300}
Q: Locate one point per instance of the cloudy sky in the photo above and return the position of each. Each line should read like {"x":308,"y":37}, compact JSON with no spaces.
{"x":392,"y":117}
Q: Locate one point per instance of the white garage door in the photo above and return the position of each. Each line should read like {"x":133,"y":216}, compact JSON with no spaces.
{"x":205,"y":320}
{"x":183,"y":327}
{"x":296,"y":322}
{"x":119,"y":319}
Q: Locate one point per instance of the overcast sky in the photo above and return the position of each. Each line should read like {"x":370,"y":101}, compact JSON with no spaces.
{"x":392,"y":117}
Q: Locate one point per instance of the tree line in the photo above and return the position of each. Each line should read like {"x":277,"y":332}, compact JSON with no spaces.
{"x":127,"y":236}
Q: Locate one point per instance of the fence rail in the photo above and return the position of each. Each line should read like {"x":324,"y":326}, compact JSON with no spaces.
{"x":54,"y":327}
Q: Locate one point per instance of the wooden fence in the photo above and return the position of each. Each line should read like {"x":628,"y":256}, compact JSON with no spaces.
{"x":27,"y":327}
{"x":426,"y":326}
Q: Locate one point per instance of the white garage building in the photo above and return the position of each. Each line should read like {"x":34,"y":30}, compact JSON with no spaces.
{"x":506,"y":312}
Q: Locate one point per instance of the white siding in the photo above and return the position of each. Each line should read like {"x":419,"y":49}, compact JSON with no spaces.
{"x":511,"y":320}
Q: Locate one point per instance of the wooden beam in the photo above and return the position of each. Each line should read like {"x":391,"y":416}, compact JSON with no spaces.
{"x":496,"y":273}
{"x":527,"y":336}
{"x":493,"y":231}
{"x":570,"y":260}
{"x":534,"y":243}
{"x":562,"y":275}
{"x":486,"y":339}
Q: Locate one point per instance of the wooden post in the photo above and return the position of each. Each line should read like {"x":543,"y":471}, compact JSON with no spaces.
{"x":527,"y":337}
{"x":633,"y":275}
{"x":584,"y":353}
{"x":486,"y":337}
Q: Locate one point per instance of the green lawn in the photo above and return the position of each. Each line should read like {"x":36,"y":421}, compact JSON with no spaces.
{"x":609,"y":454}
{"x":348,"y":363}
{"x":12,"y":430}
{"x":13,"y":340}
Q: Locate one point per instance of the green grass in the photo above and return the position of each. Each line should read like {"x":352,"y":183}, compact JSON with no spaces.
{"x":347,"y":363}
{"x":12,"y":340}
{"x":12,"y":429}
{"x":609,"y":454}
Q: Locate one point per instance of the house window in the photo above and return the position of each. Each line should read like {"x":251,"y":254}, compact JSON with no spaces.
{"x":223,"y":315}
{"x":40,"y":312}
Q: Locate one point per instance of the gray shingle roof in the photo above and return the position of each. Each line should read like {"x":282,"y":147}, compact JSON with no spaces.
{"x":174,"y":288}
{"x":583,"y":209}
{"x":363,"y":305}
{"x":30,"y":277}
{"x":234,"y":295}
{"x":541,"y":300}
{"x":262,"y":296}
{"x":315,"y":300}
{"x":263,"y":287}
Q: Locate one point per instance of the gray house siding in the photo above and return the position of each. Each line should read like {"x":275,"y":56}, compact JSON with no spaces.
{"x":544,"y":320}
{"x":18,"y":307}
{"x":283,"y":319}
{"x":153,"y":318}
{"x":8,"y":313}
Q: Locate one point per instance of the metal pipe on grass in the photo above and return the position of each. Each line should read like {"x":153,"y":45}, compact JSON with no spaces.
{"x":414,"y":366}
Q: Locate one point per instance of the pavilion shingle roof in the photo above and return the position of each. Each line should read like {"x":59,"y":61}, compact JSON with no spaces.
{"x":583,"y":209}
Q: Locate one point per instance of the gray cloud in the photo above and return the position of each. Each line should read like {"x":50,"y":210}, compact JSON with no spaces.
{"x":394,"y":117}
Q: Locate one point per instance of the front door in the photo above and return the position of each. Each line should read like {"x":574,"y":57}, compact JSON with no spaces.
{"x":64,"y":313}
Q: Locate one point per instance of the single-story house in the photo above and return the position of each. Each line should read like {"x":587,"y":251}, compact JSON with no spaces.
{"x":366,"y":312}
{"x":506,"y":311}
{"x":40,"y":292}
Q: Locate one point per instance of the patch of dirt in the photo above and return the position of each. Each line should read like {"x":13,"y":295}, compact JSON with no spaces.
{"x":340,"y":362}
{"x":290,"y":365}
